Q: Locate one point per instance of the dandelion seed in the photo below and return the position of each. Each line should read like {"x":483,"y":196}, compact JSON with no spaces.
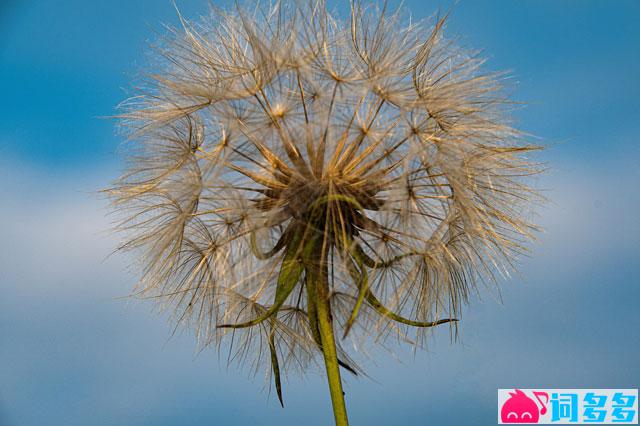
{"x":296,"y":180}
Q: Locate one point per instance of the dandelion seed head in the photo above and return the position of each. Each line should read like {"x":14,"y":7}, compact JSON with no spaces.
{"x":266,"y":127}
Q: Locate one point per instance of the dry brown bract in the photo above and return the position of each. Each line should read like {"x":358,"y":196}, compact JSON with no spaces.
{"x":277,"y":145}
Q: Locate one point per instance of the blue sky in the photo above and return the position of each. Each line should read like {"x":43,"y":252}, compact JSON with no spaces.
{"x":73,"y":353}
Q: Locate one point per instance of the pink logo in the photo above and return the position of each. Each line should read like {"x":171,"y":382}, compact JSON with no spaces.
{"x":519,"y":408}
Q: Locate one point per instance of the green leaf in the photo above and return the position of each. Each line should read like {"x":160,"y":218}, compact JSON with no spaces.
{"x":289,"y":276}
{"x":383,"y":310}
{"x":360,"y":275}
{"x":275,"y":366}
{"x":365,"y":292}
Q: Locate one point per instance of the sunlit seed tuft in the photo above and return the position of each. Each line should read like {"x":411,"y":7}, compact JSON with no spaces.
{"x":273,"y":142}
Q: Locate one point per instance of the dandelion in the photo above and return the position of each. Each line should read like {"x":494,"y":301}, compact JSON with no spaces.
{"x":303,"y":186}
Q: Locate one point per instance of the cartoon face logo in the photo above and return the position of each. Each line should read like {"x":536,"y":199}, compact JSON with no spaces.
{"x":519,"y":408}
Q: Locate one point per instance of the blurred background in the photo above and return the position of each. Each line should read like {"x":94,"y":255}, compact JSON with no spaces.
{"x":73,"y":351}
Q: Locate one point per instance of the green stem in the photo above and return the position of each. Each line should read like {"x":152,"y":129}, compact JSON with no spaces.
{"x":329,"y":350}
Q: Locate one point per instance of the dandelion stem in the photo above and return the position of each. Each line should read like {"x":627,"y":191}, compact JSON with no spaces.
{"x":320,"y":275}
